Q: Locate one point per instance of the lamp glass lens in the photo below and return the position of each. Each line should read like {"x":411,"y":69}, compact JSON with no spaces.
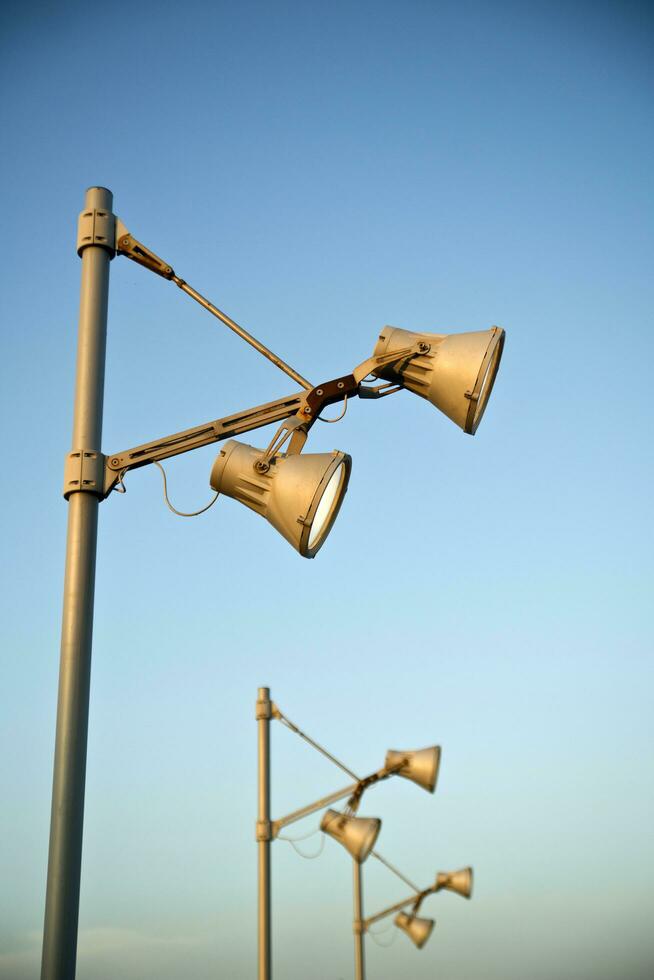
{"x":328,"y":502}
{"x":487,"y":383}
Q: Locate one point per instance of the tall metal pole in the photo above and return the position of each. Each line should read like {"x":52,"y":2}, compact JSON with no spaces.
{"x":359,"y":960}
{"x":264,"y":832}
{"x":65,"y":853}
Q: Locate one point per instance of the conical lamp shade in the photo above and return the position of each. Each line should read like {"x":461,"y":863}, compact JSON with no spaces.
{"x":456,"y":373}
{"x":300,"y":495}
{"x":356,"y":834}
{"x":456,"y":881}
{"x":419,"y":765}
{"x":418,"y":930}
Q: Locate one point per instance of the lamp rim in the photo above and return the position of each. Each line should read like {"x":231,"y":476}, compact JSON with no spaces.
{"x":339,"y":459}
{"x":481,"y":392}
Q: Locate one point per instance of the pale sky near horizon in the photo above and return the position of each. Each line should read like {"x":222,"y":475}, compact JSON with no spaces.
{"x":319,"y":171}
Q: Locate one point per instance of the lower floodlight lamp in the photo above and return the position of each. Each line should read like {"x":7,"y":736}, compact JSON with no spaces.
{"x":418,"y":930}
{"x":357,"y":834}
{"x":300,"y":494}
{"x":455,"y":372}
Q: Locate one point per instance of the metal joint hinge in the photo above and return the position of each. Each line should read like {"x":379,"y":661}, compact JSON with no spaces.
{"x":358,"y":927}
{"x":84,"y":472}
{"x":96,"y":227}
{"x":264,"y":830}
{"x":129,"y":246}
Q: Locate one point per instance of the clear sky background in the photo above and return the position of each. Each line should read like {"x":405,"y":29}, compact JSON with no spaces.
{"x":320,"y":171}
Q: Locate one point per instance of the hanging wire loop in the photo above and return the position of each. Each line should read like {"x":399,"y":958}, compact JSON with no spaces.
{"x":181,"y":513}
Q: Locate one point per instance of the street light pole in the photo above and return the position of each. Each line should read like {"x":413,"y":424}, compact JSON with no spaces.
{"x":84,"y":485}
{"x":359,"y":960}
{"x":264,"y":832}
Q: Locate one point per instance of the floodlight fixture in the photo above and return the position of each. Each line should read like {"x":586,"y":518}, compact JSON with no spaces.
{"x":419,"y":765}
{"x":459,"y":882}
{"x":299,"y":494}
{"x":418,"y":930}
{"x":455,"y":372}
{"x":357,"y":834}
{"x":302,"y":499}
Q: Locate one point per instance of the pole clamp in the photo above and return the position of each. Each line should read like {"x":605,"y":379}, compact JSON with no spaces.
{"x":358,"y":927}
{"x":264,"y":830}
{"x":263,"y":710}
{"x":96,"y":227}
{"x":84,"y":472}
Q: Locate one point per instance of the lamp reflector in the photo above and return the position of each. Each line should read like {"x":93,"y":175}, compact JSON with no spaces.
{"x":299,"y":494}
{"x":456,"y":881}
{"x":418,"y":930}
{"x":356,"y":834}
{"x":456,"y":372}
{"x":418,"y":765}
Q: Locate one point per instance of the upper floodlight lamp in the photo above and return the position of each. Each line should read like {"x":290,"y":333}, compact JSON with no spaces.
{"x":455,"y":372}
{"x":418,"y":765}
{"x":459,"y":882}
{"x":418,"y":930}
{"x":356,"y":834}
{"x":299,"y":494}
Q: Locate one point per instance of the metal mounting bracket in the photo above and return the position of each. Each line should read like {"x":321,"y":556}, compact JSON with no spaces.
{"x":84,"y":472}
{"x":96,"y":227}
{"x":129,"y":246}
{"x":264,"y":830}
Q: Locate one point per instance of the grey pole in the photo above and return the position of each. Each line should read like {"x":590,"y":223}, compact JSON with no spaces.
{"x":359,"y":961}
{"x":264,"y":833}
{"x":67,"y":817}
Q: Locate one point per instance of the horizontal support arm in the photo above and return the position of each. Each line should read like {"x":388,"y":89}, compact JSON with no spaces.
{"x":306,"y":811}
{"x":200,"y":435}
{"x":355,"y":790}
{"x":416,"y":897}
{"x":305,"y":405}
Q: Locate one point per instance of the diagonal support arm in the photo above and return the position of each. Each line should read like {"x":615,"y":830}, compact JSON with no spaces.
{"x":130,"y":247}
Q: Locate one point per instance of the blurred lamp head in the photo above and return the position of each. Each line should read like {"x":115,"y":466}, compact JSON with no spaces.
{"x":356,"y":834}
{"x":418,"y":765}
{"x":300,"y":495}
{"x":455,"y":881}
{"x":418,"y":930}
{"x":455,"y":373}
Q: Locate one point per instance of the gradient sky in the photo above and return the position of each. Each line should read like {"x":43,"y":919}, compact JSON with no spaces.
{"x":320,"y":171}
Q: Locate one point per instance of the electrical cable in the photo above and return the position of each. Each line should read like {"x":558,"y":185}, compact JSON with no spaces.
{"x":181,"y":513}
{"x":338,"y":417}
{"x":375,"y":939}
{"x":294,"y":840}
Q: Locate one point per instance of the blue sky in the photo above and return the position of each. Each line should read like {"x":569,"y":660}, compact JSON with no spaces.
{"x":319,"y":172}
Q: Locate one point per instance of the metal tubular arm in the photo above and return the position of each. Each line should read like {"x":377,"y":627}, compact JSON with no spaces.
{"x":306,"y":811}
{"x":306,"y":407}
{"x":129,"y":246}
{"x":117,"y":464}
{"x":354,"y":792}
{"x":412,"y":900}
